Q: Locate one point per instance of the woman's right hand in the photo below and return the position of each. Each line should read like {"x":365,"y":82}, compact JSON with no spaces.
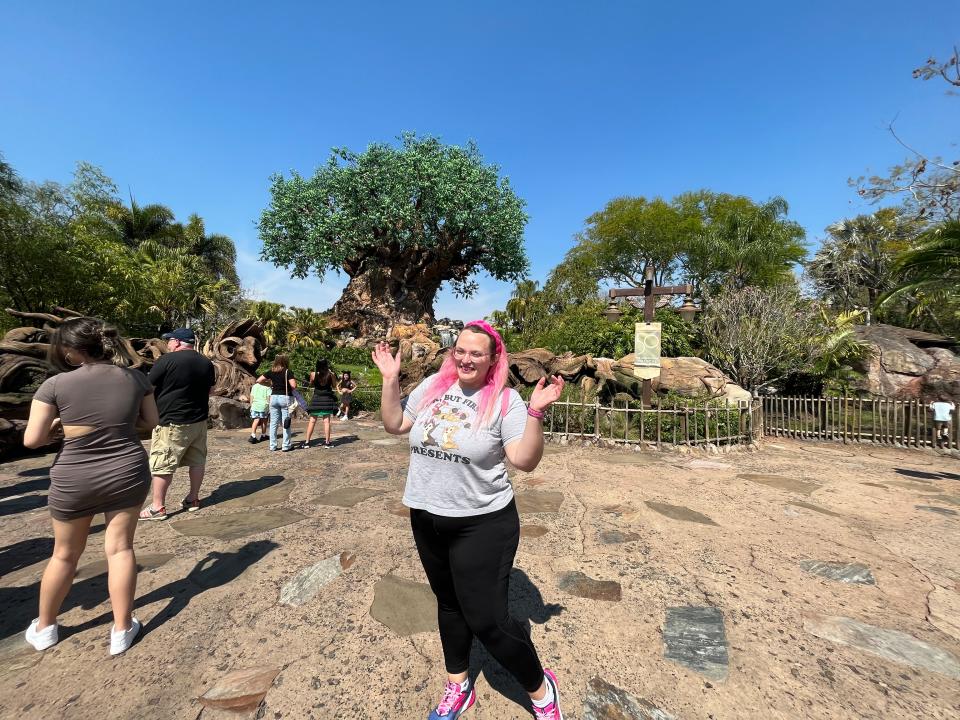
{"x":386,"y":362}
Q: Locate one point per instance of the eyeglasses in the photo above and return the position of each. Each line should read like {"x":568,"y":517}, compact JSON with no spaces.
{"x":460,"y":353}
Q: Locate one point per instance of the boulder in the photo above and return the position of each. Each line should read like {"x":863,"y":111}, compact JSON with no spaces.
{"x":227,"y":413}
{"x":906,"y":364}
{"x":689,"y":376}
{"x":405,"y":332}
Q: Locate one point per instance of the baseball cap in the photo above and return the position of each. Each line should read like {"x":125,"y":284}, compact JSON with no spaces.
{"x":182,"y":334}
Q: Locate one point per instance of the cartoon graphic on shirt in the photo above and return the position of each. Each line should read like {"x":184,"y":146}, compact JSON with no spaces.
{"x":453,"y":420}
{"x":429,"y":426}
{"x":448,"y":443}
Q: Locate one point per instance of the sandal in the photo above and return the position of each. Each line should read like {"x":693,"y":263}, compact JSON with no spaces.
{"x":148,"y":513}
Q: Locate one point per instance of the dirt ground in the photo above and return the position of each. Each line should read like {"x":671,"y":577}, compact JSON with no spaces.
{"x":617,"y":548}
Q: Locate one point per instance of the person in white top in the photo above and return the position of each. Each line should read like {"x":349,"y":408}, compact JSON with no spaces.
{"x":943,"y":410}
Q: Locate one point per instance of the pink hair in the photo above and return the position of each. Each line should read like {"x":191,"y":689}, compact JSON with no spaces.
{"x":496,"y":376}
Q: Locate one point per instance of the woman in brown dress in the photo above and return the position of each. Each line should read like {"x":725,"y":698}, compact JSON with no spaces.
{"x":101,"y":468}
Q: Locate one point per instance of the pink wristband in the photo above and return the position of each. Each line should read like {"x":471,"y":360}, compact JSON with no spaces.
{"x":538,"y":414}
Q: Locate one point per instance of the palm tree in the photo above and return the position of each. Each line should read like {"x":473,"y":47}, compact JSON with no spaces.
{"x":307,"y":328}
{"x":930,"y":272}
{"x":854,"y":266}
{"x":217,"y":252}
{"x":137,"y":223}
{"x":521,"y":303}
{"x":273,"y":318}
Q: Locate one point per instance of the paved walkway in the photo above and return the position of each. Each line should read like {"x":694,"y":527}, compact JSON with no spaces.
{"x":801,"y":581}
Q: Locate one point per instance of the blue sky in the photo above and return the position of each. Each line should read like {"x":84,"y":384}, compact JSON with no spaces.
{"x":195,"y":105}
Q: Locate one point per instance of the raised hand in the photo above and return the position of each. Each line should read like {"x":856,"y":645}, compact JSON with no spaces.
{"x":544,"y":395}
{"x":385,"y":361}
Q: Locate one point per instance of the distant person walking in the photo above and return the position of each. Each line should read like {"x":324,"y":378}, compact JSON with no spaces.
{"x":943,"y":409}
{"x":345,"y":387}
{"x":259,"y":408}
{"x":463,"y":423}
{"x":101,"y":468}
{"x":183,"y":380}
{"x":324,"y":400}
{"x":282,"y":385}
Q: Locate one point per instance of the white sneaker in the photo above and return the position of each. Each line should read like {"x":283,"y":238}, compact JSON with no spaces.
{"x":42,"y":639}
{"x":121,"y":640}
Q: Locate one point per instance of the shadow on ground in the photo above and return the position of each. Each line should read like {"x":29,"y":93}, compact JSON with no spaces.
{"x":217,"y":568}
{"x":22,"y":504}
{"x":25,"y":486}
{"x":526,"y":606}
{"x":924,"y":475}
{"x":240,"y":488}
{"x":23,"y":553}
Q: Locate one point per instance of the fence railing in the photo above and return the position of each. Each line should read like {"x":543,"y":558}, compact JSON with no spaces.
{"x":693,"y":423}
{"x":880,"y":421}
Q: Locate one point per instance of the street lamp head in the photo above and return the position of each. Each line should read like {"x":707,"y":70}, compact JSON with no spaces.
{"x":688,"y":310}
{"x":612,"y":313}
{"x":648,"y":273}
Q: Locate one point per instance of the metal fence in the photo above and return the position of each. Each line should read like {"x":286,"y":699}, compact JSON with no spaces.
{"x":881,"y":421}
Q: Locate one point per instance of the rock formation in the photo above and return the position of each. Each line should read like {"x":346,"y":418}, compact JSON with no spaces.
{"x":610,"y":378}
{"x":236,"y":353}
{"x":908,"y":364}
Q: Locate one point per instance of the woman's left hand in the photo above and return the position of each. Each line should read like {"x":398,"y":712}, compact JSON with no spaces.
{"x":544,"y":395}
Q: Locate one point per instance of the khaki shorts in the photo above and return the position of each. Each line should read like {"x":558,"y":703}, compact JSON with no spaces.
{"x":176,"y":446}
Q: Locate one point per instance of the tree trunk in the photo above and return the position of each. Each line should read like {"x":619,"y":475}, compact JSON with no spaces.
{"x":377,"y":299}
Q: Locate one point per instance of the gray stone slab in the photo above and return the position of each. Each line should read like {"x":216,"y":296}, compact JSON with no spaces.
{"x":937,"y":510}
{"x":539,"y":501}
{"x":815,"y":508}
{"x":608,"y":702}
{"x":145,"y":562}
{"x":385,"y":441}
{"x":892,"y":645}
{"x":855,"y":573}
{"x":950,"y":499}
{"x":533,"y":531}
{"x":918,"y":486}
{"x":377,"y":475}
{"x":679,"y":512}
{"x":273,"y":490}
{"x":237,"y":525}
{"x":629,"y":458}
{"x":580,"y":585}
{"x":803,"y":487}
{"x":347,"y":496}
{"x":304,"y":586}
{"x":695,"y":637}
{"x":708,"y":465}
{"x":617,"y":537}
{"x":404,"y":606}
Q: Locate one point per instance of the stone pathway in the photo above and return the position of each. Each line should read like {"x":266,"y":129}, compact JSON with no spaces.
{"x":810,"y":581}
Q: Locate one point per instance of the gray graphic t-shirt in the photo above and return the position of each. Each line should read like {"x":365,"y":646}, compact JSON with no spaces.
{"x":456,"y":467}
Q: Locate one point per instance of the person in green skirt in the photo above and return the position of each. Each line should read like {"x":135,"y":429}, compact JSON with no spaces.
{"x":323,"y":404}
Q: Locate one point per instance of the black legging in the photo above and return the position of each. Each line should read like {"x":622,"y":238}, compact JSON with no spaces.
{"x":468,"y":562}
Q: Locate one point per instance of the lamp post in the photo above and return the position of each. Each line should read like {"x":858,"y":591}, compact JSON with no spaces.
{"x":649,"y":292}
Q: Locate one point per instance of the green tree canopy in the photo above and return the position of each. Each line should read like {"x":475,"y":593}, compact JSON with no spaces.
{"x":399,"y":221}
{"x":78,"y":246}
{"x":854,"y":265}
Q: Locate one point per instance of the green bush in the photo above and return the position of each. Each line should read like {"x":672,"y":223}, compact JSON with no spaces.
{"x":582,"y":329}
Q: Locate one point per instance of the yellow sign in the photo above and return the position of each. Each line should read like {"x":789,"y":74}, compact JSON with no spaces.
{"x":646,"y":357}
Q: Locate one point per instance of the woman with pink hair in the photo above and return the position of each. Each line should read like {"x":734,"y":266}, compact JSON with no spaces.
{"x":463,"y":422}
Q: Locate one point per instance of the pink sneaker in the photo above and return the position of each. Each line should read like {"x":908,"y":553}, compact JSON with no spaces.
{"x":551,"y":711}
{"x":455,"y":702}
